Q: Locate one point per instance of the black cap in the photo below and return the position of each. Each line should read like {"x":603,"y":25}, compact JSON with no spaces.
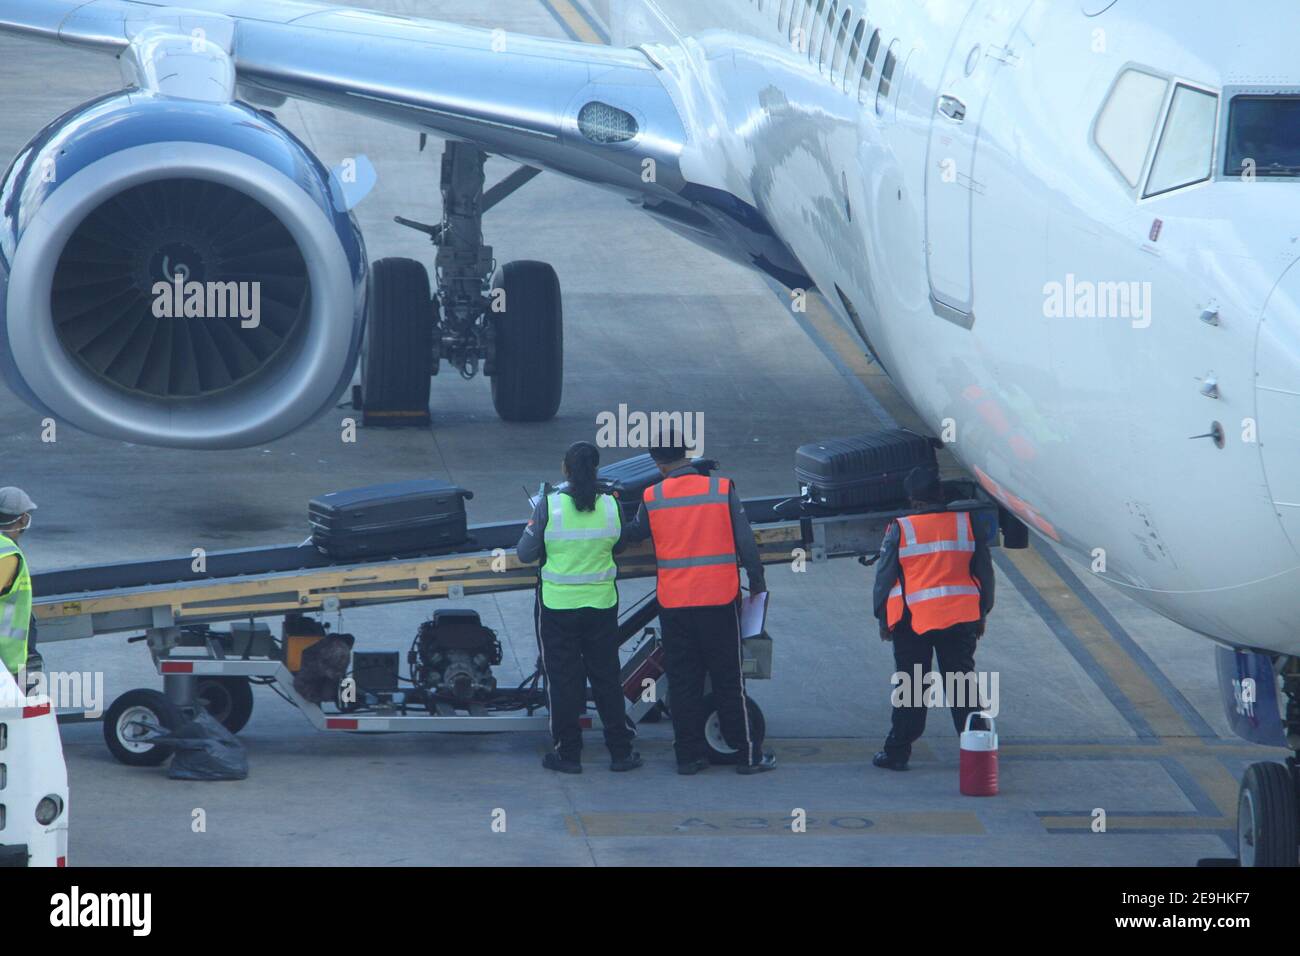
{"x":583,"y":448}
{"x":922,"y":484}
{"x":667,"y":446}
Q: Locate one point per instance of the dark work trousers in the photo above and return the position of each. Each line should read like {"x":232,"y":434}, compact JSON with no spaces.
{"x":581,"y":645}
{"x":699,"y":641}
{"x":955,"y":648}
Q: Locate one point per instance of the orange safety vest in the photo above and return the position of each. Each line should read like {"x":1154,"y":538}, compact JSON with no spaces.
{"x":690,"y":523}
{"x":934,"y":555}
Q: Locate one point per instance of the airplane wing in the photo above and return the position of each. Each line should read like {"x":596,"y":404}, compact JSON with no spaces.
{"x":600,"y":114}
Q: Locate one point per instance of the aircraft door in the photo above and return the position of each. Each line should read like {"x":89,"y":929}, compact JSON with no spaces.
{"x":950,"y":187}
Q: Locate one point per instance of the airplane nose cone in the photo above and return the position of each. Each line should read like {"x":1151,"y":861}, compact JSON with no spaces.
{"x":1277,"y":399}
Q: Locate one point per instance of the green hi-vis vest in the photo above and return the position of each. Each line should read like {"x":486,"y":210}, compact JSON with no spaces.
{"x":15,"y":612}
{"x":579,"y":569}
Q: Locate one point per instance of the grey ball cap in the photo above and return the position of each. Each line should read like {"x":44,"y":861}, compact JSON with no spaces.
{"x":14,"y":503}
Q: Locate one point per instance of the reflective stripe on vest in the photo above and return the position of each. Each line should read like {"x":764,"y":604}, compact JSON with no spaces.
{"x":695,"y":546}
{"x":579,"y":569}
{"x":934,"y":554}
{"x":15,"y":612}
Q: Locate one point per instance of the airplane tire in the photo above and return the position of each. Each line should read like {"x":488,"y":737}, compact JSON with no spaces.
{"x":528,"y":372}
{"x":228,"y":699}
{"x":1266,"y":817}
{"x":119,"y":732}
{"x":397,"y":353}
{"x":721,"y":752}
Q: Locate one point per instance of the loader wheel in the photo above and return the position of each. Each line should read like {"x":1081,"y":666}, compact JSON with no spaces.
{"x":528,"y":366}
{"x":1266,"y":817}
{"x":721,"y":752}
{"x":228,"y":699}
{"x":124,"y":732}
{"x":397,"y":353}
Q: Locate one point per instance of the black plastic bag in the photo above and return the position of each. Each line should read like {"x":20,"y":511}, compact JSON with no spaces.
{"x":205,"y":750}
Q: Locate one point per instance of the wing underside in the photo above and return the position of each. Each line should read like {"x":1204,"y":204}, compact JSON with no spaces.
{"x":600,"y":114}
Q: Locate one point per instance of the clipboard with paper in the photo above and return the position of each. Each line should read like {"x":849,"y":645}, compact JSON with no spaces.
{"x":753,"y":615}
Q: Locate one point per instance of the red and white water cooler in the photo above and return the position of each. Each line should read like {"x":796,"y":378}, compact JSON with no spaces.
{"x":979,"y":759}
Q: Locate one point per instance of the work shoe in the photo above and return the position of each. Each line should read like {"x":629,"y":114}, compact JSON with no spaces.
{"x":624,"y":764}
{"x":883,"y":759}
{"x":765,"y":763}
{"x":553,"y":761}
{"x":692,"y":767}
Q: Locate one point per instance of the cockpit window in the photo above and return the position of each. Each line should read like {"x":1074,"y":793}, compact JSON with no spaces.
{"x":1128,"y":121}
{"x":1263,"y":137}
{"x":1185,"y":154}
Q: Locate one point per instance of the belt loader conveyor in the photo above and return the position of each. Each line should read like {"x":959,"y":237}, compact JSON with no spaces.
{"x":173,"y":604}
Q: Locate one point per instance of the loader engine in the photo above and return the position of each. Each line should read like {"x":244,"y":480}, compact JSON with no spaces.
{"x":177,"y":273}
{"x":453,"y":656}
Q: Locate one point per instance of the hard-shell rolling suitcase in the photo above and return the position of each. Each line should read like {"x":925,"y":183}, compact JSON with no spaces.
{"x":403,"y":517}
{"x":628,"y":479}
{"x":861,"y":472}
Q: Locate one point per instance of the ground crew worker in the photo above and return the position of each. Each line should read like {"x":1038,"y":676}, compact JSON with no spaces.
{"x":573,"y":534}
{"x":934,"y":590}
{"x":700,"y":532}
{"x":15,"y":580}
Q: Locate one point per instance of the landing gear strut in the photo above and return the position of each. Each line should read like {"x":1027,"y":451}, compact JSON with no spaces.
{"x":1268,"y":805}
{"x":508,"y":321}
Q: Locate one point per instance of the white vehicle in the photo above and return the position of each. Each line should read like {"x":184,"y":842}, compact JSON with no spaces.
{"x":1068,"y":229}
{"x":33,"y":780}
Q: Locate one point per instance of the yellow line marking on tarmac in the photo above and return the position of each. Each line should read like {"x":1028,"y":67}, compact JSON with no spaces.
{"x":1132,"y":681}
{"x":577,"y":23}
{"x":836,"y":750}
{"x":853,"y":354}
{"x":1177,"y":739}
{"x":828,"y":750}
{"x":1084,"y":824}
{"x":1177,"y":747}
{"x":1214,"y":778}
{"x":777,"y":823}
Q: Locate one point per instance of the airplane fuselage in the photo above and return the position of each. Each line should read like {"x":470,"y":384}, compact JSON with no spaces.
{"x":1047,"y":221}
{"x":1065,"y":334}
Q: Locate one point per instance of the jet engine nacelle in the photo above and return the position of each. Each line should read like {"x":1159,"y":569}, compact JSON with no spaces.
{"x":177,"y":273}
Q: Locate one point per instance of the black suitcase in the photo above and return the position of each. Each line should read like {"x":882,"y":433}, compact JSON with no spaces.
{"x":628,"y":479}
{"x":861,"y":472}
{"x":402,"y":517}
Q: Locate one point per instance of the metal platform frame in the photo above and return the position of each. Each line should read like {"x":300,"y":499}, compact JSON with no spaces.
{"x":184,"y":654}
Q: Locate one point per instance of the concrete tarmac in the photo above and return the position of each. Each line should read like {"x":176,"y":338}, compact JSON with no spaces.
{"x":1104,"y":705}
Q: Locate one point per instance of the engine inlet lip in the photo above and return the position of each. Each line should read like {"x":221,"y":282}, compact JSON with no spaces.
{"x":308,"y":380}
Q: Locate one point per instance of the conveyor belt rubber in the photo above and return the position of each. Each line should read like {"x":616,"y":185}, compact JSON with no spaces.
{"x":224,"y":565}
